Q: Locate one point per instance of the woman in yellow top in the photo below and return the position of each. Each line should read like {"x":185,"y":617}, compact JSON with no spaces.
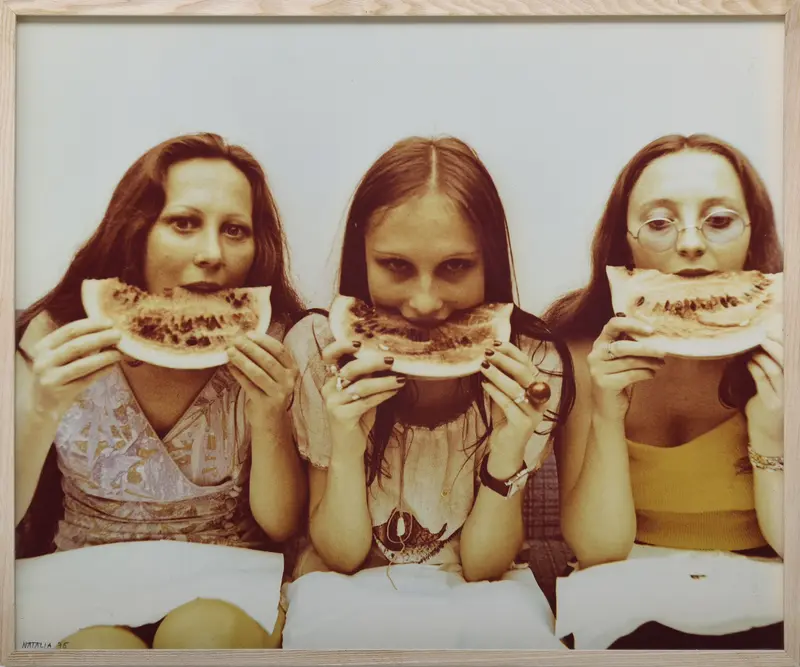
{"x":662,"y":451}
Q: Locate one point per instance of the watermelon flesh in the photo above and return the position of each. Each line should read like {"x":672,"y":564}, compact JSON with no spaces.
{"x":180,"y":329}
{"x":454,"y":349}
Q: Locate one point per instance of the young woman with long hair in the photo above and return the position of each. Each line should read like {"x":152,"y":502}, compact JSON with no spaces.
{"x":151,"y":453}
{"x":666,"y":451}
{"x":404,"y":472}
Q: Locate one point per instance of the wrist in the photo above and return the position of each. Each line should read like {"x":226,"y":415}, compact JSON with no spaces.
{"x":504,"y":463}
{"x":345,"y":455}
{"x":766,"y":444}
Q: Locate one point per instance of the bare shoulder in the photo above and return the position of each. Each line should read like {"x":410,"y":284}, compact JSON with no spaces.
{"x":40,"y":326}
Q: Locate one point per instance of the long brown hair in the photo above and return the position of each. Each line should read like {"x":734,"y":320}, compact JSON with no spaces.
{"x":116,"y":250}
{"x":412,"y":167}
{"x":582,"y":314}
{"x":117,"y":247}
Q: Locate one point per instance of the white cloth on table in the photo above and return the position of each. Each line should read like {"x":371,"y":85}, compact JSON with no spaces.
{"x":697,"y":592}
{"x":135,"y":583}
{"x":430,"y":608}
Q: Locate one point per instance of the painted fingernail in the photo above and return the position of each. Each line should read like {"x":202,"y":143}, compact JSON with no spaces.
{"x":498,"y":343}
{"x":356,"y":343}
{"x":388,"y":360}
{"x":619,"y":314}
{"x":401,"y":379}
{"x":489,"y":353}
{"x":485,"y":364}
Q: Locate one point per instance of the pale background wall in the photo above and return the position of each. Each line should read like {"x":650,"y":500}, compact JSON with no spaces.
{"x":554,"y":108}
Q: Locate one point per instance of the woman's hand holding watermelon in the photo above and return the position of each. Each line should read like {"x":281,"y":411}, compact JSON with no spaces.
{"x":66,"y":361}
{"x":617,"y":362}
{"x":764,"y":411}
{"x":510,"y":381}
{"x":267,"y":373}
{"x":352,"y":393}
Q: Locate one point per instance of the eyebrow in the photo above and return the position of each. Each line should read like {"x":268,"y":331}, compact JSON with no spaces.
{"x":670,"y":204}
{"x":185,"y":208}
{"x":470,"y":254}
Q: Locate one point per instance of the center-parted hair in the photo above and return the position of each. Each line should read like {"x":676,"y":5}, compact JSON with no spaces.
{"x":446,"y":165}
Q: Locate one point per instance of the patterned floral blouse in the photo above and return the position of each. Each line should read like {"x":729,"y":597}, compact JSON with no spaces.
{"x":418,"y":509}
{"x":122,"y":482}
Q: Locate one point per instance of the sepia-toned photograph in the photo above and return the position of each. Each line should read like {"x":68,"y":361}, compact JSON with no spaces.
{"x":399,"y":335}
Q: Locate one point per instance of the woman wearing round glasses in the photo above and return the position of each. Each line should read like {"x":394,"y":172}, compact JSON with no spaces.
{"x":665,"y":451}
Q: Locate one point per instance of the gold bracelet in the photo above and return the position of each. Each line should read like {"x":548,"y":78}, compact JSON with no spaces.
{"x":765,"y":462}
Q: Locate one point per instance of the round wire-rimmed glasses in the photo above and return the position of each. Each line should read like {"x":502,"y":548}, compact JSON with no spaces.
{"x":718,"y":228}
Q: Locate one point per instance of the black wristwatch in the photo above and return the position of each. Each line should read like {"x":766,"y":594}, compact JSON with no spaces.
{"x":504,"y":487}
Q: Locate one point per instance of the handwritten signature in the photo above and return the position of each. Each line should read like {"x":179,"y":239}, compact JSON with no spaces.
{"x":45,"y":645}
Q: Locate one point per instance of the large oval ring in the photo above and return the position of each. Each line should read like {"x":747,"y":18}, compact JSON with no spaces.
{"x":539,"y":392}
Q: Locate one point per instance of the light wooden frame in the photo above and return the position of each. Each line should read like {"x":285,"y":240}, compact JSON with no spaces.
{"x":10,"y":10}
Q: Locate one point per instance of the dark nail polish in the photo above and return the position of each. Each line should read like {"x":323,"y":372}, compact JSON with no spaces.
{"x":498,"y":343}
{"x":401,"y":379}
{"x":485,"y":364}
{"x":356,"y":343}
{"x":489,"y":353}
{"x":388,"y":360}
{"x":619,"y":314}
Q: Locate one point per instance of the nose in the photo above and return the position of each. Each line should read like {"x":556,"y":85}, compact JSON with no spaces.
{"x":209,"y":252}
{"x":424,"y":305}
{"x":691,"y":242}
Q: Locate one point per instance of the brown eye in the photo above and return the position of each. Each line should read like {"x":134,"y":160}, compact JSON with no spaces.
{"x":237,"y":232}
{"x":458,"y":265}
{"x":658,"y":225}
{"x":720,"y":221}
{"x":395,"y":265}
{"x":183,"y":223}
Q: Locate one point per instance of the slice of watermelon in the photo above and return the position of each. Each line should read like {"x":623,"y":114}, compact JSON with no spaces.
{"x":180,"y":329}
{"x":718,"y":315}
{"x":454,"y":349}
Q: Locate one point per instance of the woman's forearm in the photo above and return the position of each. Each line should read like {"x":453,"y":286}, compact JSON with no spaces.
{"x":278,"y":481}
{"x":493,"y":533}
{"x":598,"y":519}
{"x":768,"y":492}
{"x":340,"y":525}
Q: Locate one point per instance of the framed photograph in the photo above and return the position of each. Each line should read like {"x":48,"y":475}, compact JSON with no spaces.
{"x":420,"y":332}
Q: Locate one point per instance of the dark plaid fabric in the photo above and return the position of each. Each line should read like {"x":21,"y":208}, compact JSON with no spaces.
{"x":544,"y":549}
{"x":540,"y":504}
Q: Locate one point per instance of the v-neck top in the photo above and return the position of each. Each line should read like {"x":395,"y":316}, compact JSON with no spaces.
{"x":698,"y":495}
{"x":122,"y":482}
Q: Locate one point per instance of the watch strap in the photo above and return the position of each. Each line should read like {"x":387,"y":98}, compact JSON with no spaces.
{"x":503,"y":487}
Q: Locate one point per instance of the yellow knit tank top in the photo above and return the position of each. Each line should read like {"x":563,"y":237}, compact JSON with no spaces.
{"x":698,"y":495}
